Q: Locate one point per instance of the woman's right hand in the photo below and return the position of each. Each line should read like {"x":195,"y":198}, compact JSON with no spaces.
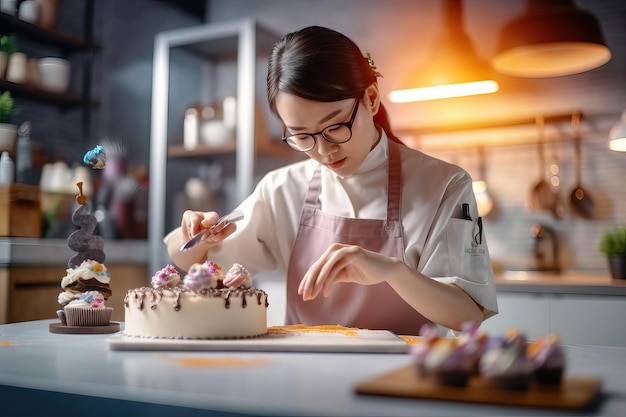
{"x":193,"y":222}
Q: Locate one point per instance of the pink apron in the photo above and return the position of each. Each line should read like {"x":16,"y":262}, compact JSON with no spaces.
{"x":348,"y":304}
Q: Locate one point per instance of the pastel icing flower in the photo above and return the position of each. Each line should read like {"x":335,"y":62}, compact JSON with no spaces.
{"x":89,"y":299}
{"x":167,"y":277}
{"x":238,"y":276}
{"x":202,"y":276}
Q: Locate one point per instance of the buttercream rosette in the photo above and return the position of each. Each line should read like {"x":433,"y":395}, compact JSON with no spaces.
{"x":238,"y":276}
{"x":203,"y":276}
{"x":167,"y":277}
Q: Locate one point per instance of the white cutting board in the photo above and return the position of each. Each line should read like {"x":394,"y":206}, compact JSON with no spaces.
{"x":357,"y":341}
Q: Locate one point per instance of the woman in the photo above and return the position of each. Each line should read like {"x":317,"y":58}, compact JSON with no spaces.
{"x":369,"y":232}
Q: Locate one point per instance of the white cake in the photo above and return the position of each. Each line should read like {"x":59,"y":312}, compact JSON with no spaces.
{"x":205,"y":305}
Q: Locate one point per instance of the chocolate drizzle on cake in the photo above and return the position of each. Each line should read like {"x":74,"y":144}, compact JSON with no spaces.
{"x":158,"y":296}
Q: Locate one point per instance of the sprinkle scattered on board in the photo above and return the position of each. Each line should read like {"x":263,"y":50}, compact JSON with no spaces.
{"x":347,"y":331}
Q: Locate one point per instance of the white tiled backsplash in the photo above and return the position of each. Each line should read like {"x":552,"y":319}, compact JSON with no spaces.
{"x":511,"y":172}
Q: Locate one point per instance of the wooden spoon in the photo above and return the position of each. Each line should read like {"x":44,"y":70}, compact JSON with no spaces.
{"x":581,"y":201}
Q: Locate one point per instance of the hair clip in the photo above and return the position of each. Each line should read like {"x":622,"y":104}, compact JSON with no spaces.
{"x":370,"y":61}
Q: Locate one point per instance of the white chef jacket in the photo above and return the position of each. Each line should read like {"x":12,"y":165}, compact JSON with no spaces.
{"x":437,"y":242}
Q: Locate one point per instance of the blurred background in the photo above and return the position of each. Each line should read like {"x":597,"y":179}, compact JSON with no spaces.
{"x":181,"y":140}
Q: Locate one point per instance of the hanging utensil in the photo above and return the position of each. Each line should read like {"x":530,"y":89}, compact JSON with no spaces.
{"x":555,"y":180}
{"x":541,"y":195}
{"x":581,"y":201}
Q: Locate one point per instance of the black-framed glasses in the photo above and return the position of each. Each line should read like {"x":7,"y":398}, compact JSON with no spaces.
{"x":335,"y":133}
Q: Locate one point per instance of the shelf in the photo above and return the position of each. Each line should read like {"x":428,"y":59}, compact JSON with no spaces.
{"x":521,"y":131}
{"x":36,"y":33}
{"x":265,"y":148}
{"x":179,"y":151}
{"x":30,"y":92}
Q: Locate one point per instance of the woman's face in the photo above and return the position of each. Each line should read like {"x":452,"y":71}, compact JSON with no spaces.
{"x":306,"y":116}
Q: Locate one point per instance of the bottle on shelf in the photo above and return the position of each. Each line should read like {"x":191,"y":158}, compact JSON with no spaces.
{"x":7,"y":169}
{"x":23,"y":159}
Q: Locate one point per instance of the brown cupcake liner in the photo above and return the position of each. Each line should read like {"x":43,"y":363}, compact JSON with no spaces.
{"x":77,"y":316}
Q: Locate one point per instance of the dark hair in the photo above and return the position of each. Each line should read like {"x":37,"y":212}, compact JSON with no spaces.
{"x":321,"y":64}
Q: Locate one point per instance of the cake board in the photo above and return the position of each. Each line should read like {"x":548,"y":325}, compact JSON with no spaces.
{"x":358,"y":341}
{"x":573,"y":393}
{"x":61,"y":328}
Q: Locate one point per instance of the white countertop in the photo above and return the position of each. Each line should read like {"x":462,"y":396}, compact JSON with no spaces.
{"x":566,"y":282}
{"x":37,"y":366}
{"x":36,"y":252}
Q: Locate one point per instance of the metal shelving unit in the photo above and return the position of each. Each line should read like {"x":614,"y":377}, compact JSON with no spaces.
{"x":239,"y":40}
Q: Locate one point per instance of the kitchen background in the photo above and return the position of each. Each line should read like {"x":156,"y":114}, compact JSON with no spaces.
{"x":400,"y":35}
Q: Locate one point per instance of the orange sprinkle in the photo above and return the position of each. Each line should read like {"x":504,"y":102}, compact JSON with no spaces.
{"x":217,"y":362}
{"x":410,"y":340}
{"x":7,"y":343}
{"x":303,"y":328}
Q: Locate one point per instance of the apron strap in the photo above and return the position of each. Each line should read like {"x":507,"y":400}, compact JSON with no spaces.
{"x":394,"y":184}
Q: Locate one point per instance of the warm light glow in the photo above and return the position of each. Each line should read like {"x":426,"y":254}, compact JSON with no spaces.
{"x":479,"y":186}
{"x":444,"y":91}
{"x":551,"y":59}
{"x":617,"y":135}
{"x":618,"y":145}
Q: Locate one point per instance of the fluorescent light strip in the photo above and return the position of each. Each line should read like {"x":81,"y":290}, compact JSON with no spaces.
{"x":443,"y":91}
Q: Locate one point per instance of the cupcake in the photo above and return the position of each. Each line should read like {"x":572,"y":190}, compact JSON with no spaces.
{"x":85,"y":290}
{"x":88,"y":310}
{"x":548,"y":358}
{"x":448,"y":363}
{"x":429,"y":334}
{"x":505,"y":364}
{"x":474,"y":342}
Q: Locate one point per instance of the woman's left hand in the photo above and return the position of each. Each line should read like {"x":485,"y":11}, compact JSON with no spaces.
{"x":344,"y":263}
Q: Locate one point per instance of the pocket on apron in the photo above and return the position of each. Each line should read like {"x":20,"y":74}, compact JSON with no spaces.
{"x":466,"y":247}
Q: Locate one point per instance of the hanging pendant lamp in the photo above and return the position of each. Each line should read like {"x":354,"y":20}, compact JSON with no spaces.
{"x":453,"y":68}
{"x":551,"y":39}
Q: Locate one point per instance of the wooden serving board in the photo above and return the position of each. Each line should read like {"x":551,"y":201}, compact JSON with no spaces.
{"x":278,"y":339}
{"x":573,"y":393}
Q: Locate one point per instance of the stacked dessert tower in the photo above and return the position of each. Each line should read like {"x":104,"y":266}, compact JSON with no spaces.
{"x":85,"y":287}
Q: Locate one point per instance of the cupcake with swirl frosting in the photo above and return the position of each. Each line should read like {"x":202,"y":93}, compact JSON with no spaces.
{"x":548,"y":357}
{"x":449,"y":363}
{"x":506,"y":365}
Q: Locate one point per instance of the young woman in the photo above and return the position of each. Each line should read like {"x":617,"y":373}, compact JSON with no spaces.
{"x":370,"y":233}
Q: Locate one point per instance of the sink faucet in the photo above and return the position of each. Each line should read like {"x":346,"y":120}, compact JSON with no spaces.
{"x":546,"y":242}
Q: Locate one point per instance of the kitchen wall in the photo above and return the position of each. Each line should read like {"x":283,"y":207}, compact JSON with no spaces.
{"x":400,"y":33}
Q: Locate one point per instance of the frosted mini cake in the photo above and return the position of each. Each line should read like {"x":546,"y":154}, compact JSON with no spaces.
{"x":85,"y":286}
{"x":204,"y":305}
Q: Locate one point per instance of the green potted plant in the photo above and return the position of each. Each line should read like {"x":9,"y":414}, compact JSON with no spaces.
{"x":8,"y":45}
{"x":8,"y":131}
{"x":613,"y":246}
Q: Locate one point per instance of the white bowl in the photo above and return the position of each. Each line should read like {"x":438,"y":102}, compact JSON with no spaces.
{"x":54,"y":74}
